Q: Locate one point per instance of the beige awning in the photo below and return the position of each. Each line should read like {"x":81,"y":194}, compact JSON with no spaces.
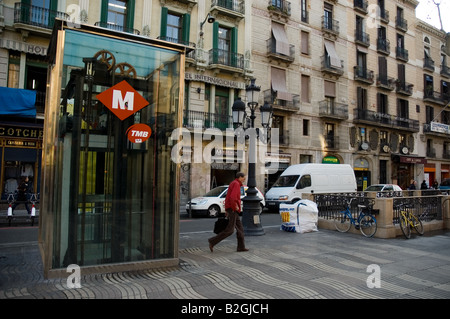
{"x":279,"y":84}
{"x":334,"y":57}
{"x":282,"y":45}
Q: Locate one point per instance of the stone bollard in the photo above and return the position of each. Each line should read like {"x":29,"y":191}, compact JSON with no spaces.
{"x":386,"y":228}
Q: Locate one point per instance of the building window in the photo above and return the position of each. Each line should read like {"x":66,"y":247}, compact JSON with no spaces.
{"x":305,"y":89}
{"x":305,"y":127}
{"x":304,"y":11}
{"x":174,"y":28}
{"x":305,"y":42}
{"x":14,"y":71}
{"x":117,"y":12}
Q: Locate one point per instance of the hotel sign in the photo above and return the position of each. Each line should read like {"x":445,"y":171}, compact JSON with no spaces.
{"x":214,"y":80}
{"x":439,"y":128}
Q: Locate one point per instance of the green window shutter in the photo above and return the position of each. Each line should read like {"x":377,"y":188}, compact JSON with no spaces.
{"x":215,"y":35}
{"x":52,"y":14}
{"x":234,"y":40}
{"x":186,"y":27}
{"x":215,"y":56}
{"x":131,"y":4}
{"x":104,"y":13}
{"x":163,"y":32}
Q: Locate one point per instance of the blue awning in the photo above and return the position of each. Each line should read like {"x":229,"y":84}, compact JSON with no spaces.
{"x":17,"y":102}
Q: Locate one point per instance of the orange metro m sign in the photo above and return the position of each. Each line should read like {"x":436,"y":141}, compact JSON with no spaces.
{"x":122,"y":100}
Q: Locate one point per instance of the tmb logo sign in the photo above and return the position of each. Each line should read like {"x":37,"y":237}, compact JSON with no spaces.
{"x":122,"y":100}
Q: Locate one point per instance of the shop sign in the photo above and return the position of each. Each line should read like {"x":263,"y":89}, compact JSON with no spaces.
{"x":21,"y":132}
{"x":139,"y":133}
{"x":122,"y":100}
{"x":330,"y":160}
{"x":413,"y":160}
{"x":20,"y":143}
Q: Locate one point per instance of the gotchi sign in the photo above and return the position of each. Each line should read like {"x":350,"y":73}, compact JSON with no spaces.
{"x":122,"y":100}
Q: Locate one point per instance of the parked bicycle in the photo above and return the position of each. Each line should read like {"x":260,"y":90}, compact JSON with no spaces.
{"x":408,"y":220}
{"x":365,"y":222}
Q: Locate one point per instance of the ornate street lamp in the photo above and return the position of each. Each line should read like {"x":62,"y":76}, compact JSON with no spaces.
{"x":251,"y":207}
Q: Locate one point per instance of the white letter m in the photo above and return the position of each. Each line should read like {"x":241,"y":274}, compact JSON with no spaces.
{"x":122,"y":103}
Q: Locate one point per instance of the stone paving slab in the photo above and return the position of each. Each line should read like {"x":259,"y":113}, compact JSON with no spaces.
{"x":320,"y":265}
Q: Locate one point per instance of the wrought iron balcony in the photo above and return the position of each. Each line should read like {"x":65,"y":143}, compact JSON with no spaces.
{"x":280,"y":6}
{"x":402,"y":54}
{"x":384,"y":16}
{"x":386,"y":82}
{"x":360,"y":5}
{"x":331,"y":69}
{"x":401,"y":24}
{"x":330,"y":26}
{"x":271,"y":97}
{"x":363,"y":75}
{"x":383,"y":46}
{"x":437,"y":97}
{"x":428,"y":64}
{"x":333,"y":110}
{"x":218,"y":57}
{"x":204,"y":120}
{"x":445,"y":71}
{"x":175,"y":40}
{"x":117,"y":27}
{"x":36,"y":16}
{"x":231,"y":8}
{"x":272,"y":51}
{"x":404,"y":88}
{"x":385,"y":120}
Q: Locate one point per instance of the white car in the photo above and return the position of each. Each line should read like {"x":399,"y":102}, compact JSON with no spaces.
{"x":213,"y":203}
{"x":385,"y":190}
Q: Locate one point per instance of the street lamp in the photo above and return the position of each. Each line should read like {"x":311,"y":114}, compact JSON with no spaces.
{"x":208,"y":18}
{"x":251,"y":208}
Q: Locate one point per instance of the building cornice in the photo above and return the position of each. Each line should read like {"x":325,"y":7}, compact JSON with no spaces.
{"x":424,"y":26}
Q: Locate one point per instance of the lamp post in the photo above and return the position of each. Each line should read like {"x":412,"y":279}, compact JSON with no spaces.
{"x":251,"y":208}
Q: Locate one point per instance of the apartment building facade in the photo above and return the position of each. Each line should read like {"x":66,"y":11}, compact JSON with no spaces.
{"x":341,"y":75}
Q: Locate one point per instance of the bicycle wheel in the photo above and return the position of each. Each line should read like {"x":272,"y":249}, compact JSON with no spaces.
{"x":404,"y":225}
{"x":368,"y":225}
{"x":342,"y":222}
{"x":417,"y":224}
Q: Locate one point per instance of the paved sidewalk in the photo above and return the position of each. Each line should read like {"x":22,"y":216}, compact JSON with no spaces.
{"x":280,"y":265}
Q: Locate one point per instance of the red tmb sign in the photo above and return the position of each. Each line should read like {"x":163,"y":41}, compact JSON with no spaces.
{"x":122,"y":100}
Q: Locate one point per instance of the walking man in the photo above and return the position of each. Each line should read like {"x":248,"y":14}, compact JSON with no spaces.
{"x":232,"y":210}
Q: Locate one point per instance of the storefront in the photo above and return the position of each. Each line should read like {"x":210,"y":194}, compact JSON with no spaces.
{"x":110,"y":189}
{"x":20,"y":154}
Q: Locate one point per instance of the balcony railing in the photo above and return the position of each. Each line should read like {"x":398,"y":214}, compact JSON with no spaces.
{"x":445,"y":71}
{"x":117,"y":27}
{"x":36,"y":16}
{"x":404,"y":88}
{"x":271,"y":97}
{"x":330,"y":25}
{"x":386,"y":82}
{"x":428,"y":64}
{"x":402,"y":54}
{"x":433,"y":96}
{"x":401,"y":24}
{"x":175,"y":40}
{"x":360,"y":5}
{"x":282,"y":6}
{"x":226,"y":58}
{"x":384,"y":15}
{"x":362,"y":38}
{"x":362,"y":74}
{"x":272,"y":51}
{"x":386,"y":120}
{"x":329,"y":68}
{"x":232,"y":5}
{"x":204,"y":120}
{"x":331,"y":109}
{"x":383,"y":46}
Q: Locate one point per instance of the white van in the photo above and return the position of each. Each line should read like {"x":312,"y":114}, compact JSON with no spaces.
{"x":310,"y":178}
